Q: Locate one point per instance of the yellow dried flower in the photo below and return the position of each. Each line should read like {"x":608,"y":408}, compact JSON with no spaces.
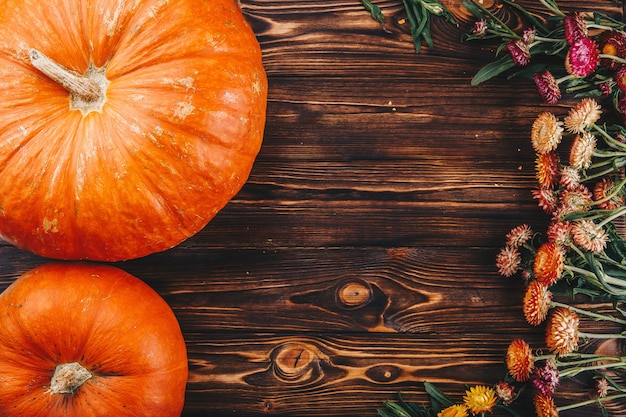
{"x":480,"y":399}
{"x":456,"y":410}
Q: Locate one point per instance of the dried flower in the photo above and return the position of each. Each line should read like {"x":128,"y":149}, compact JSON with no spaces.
{"x":547,"y":199}
{"x":518,"y":51}
{"x":581,"y":151}
{"x":562,"y":331}
{"x":575,"y":27}
{"x":582,"y":116}
{"x":574,"y":200}
{"x":547,"y":87}
{"x":520,"y":360}
{"x":549,"y":263}
{"x":547,"y":169}
{"x":505,"y":392}
{"x":560,"y":232}
{"x":508,"y":261}
{"x":589,"y":235}
{"x":456,"y":410}
{"x":480,"y":28}
{"x":536,"y":303}
{"x":570,"y":177}
{"x":602,"y":387}
{"x":582,"y":58}
{"x":546,"y":378}
{"x":546,"y":133}
{"x":480,"y":399}
{"x":604,"y":196}
{"x":612,"y":43}
{"x":620,"y":78}
{"x":519,"y":235}
{"x":545,"y":407}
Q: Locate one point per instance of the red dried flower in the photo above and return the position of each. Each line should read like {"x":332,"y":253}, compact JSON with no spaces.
{"x":547,"y":87}
{"x":549,"y":263}
{"x":582,"y":58}
{"x":562,"y":331}
{"x":612,"y":42}
{"x":520,"y":360}
{"x":560,"y":232}
{"x":505,"y":392}
{"x":519,"y":52}
{"x":575,"y":27}
{"x":508,"y":261}
{"x":536,"y":303}
{"x":547,"y":199}
{"x":620,"y":78}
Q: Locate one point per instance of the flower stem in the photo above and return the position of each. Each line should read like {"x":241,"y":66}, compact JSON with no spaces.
{"x":589,"y":402}
{"x":597,"y":316}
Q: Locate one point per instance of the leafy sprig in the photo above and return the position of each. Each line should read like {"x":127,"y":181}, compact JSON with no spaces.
{"x":419,"y":14}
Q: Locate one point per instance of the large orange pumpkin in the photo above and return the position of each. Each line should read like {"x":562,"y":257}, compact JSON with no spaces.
{"x":125,"y":126}
{"x":83,"y":340}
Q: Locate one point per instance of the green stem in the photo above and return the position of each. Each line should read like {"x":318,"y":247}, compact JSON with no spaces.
{"x":587,"y":313}
{"x":589,"y":402}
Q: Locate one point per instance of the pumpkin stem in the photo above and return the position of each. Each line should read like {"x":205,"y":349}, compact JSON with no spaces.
{"x":68,"y":377}
{"x":78,"y":85}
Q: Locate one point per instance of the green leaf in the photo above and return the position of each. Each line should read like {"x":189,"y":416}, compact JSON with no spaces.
{"x":493,"y":69}
{"x":436,"y":394}
{"x":374,"y":11}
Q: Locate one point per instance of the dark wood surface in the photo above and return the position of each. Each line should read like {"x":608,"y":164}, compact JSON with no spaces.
{"x":358,"y":260}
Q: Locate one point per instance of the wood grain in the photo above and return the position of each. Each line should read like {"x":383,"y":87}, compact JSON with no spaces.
{"x":358,"y":260}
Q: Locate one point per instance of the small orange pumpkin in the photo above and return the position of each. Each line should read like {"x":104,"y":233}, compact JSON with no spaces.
{"x":125,"y":126}
{"x":88,"y":340}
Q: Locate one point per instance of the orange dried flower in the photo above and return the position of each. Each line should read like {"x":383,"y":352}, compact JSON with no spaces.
{"x":545,"y":407}
{"x":546,"y":133}
{"x":582,"y":150}
{"x":536,"y":303}
{"x":582,"y":116}
{"x":562,"y":331}
{"x":549,"y":263}
{"x":547,"y":169}
{"x":520,"y":361}
{"x":602,"y":193}
{"x":589,"y":236}
{"x":480,"y":399}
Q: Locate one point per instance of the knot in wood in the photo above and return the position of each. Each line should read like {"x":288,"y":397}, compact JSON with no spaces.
{"x":354,"y":294}
{"x":294,"y":361}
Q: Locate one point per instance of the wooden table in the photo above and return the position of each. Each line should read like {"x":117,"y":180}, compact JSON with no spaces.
{"x":358,"y":261}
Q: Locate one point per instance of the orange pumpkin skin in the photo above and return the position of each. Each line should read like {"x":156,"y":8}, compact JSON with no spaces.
{"x":174,"y":141}
{"x":110,"y":322}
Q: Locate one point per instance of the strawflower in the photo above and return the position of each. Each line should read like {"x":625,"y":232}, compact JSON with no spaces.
{"x":480,"y":399}
{"x":455,"y":410}
{"x":520,"y":360}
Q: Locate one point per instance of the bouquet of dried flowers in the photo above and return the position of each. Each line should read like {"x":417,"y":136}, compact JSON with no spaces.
{"x":572,"y":52}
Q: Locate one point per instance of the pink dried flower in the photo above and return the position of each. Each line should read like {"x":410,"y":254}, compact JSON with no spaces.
{"x":505,"y":392}
{"x":547,"y":199}
{"x":480,"y":27}
{"x":589,"y":235}
{"x":546,"y":378}
{"x":519,"y":52}
{"x":519,"y":235}
{"x":560,"y":232}
{"x":575,"y":27}
{"x":582,"y":58}
{"x":570,"y":178}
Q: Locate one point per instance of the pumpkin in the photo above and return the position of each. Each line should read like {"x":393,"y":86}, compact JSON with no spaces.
{"x":83,"y":340}
{"x":125,"y":126}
